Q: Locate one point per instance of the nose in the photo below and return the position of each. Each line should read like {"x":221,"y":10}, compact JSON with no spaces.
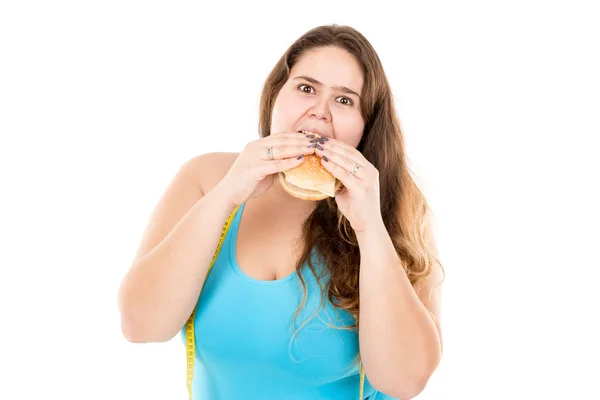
{"x":321,"y":111}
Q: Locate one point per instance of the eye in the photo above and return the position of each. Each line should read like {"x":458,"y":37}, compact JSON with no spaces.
{"x":303,"y":87}
{"x":348,"y":102}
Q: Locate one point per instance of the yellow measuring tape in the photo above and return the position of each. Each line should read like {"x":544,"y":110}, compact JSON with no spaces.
{"x":190,"y":337}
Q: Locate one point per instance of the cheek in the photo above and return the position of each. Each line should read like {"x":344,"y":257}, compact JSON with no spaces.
{"x":285,"y":111}
{"x":350,"y":129}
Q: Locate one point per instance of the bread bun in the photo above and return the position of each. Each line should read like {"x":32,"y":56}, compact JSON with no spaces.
{"x":309,"y":180}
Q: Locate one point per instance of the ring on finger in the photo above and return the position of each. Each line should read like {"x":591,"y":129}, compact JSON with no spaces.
{"x":270,"y":152}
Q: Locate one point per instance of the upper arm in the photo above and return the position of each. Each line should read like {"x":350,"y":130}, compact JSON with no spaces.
{"x":430,"y":291}
{"x":180,"y":195}
{"x":193,"y":179}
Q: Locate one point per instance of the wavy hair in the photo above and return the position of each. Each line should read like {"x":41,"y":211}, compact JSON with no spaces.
{"x":404,"y":208}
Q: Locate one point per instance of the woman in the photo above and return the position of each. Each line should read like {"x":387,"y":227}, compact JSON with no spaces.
{"x":277,"y":316}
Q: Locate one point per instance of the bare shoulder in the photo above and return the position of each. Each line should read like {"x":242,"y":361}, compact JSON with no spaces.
{"x":208,"y":169}
{"x":195,"y":177}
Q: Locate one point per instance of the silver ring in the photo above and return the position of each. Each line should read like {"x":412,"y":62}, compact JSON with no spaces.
{"x":355,"y":169}
{"x":270,"y":152}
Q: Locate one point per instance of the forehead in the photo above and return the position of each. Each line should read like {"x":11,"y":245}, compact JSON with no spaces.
{"x":331,"y":66}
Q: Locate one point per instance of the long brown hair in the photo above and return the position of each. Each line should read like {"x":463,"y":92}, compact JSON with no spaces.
{"x":404,"y":208}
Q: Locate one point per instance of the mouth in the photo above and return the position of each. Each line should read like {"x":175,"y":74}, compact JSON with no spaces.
{"x":309,"y":131}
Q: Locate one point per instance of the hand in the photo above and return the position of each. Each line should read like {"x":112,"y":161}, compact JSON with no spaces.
{"x":252,"y":173}
{"x":359,"y":199}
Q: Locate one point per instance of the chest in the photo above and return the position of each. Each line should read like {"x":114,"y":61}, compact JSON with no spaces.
{"x":252,"y":326}
{"x":268,"y":246}
{"x":248,"y":329}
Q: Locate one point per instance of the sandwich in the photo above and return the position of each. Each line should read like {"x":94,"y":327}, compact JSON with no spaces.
{"x":309,"y":180}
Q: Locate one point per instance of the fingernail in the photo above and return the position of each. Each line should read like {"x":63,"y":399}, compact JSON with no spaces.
{"x":325,"y":138}
{"x":314,"y":140}
{"x":312,"y":145}
{"x":325,"y":159}
{"x":319,"y":147}
{"x":310,"y":136}
{"x":300,"y":156}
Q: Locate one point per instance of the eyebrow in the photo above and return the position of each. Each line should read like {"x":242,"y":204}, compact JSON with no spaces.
{"x":335,"y":87}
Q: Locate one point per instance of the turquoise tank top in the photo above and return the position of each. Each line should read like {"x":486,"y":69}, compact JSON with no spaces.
{"x":244,"y":346}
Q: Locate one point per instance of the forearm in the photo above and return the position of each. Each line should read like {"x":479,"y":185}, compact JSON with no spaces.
{"x":399,"y":343}
{"x":161,"y":289}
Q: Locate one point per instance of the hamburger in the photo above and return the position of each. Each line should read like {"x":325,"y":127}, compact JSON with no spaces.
{"x":309,"y":180}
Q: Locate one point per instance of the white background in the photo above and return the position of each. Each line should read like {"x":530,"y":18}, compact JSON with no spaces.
{"x":101,"y":102}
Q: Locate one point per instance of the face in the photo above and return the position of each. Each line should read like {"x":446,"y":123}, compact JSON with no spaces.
{"x":322,"y":95}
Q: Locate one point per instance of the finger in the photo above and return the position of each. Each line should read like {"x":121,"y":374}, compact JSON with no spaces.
{"x":347,"y":179}
{"x":283,"y":151}
{"x":352,"y":156}
{"x":341,"y":160}
{"x":342,"y":147}
{"x":288,"y":139}
{"x":286,"y":134}
{"x":273,"y":167}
